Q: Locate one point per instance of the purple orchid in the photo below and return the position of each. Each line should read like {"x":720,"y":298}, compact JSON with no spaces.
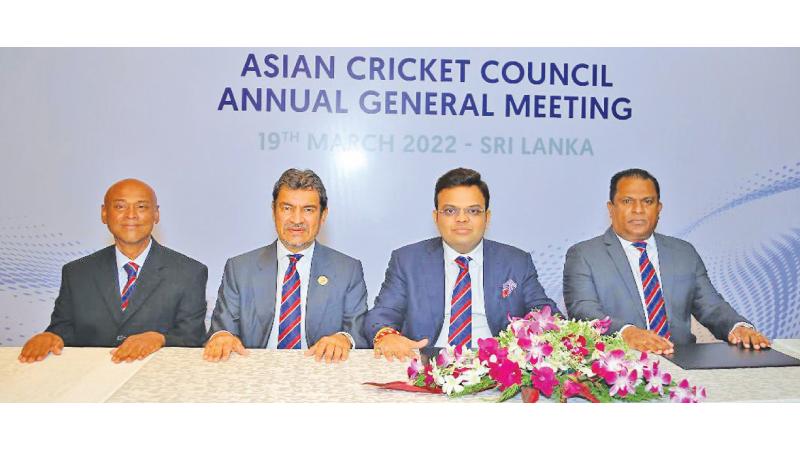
{"x":700,"y":394}
{"x":458,"y":353}
{"x":623,"y":382}
{"x":638,"y":365}
{"x":544,"y":320}
{"x":506,"y":373}
{"x":415,"y":367}
{"x":544,"y":379}
{"x":539,"y":351}
{"x":443,"y":359}
{"x":682,"y":393}
{"x":656,"y":379}
{"x":609,"y":364}
{"x":491,"y":347}
{"x":602,"y":325}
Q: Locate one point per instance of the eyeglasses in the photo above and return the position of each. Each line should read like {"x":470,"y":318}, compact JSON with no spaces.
{"x":451,"y":211}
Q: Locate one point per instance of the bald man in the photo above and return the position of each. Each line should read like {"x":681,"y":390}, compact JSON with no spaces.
{"x":136,"y":295}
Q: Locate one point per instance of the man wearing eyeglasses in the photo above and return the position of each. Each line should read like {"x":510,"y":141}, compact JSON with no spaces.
{"x":456,"y":288}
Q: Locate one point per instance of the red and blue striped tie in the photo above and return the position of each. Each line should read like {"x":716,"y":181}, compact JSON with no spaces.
{"x":460,"y":332}
{"x":132,"y":269}
{"x":653,"y":299}
{"x":289,"y":324}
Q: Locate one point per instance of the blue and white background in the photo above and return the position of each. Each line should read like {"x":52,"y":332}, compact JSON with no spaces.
{"x":718,"y":127}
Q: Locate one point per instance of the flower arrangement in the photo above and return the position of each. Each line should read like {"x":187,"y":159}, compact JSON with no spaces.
{"x":543,"y":354}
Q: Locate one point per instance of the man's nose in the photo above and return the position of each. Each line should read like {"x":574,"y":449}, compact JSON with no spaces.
{"x":462,"y":215}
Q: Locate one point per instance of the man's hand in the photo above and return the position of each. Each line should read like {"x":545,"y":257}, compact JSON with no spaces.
{"x":333,"y":348}
{"x":397,"y":346}
{"x":138,"y":346}
{"x":38,"y":347}
{"x":220,"y":346}
{"x":647,"y":341}
{"x":748,"y":337}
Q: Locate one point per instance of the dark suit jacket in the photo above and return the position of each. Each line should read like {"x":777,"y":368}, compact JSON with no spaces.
{"x":412,"y":296}
{"x":170,"y":298}
{"x":598,"y":282}
{"x":246,"y":301}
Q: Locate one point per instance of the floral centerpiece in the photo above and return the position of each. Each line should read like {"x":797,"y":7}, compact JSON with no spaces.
{"x":543,"y":354}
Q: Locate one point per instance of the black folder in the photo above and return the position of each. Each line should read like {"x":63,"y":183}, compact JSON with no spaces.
{"x":725,"y":356}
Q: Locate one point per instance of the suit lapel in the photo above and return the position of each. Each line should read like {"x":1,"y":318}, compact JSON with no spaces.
{"x":617,"y":254}
{"x":265,"y":286}
{"x":147,"y":281}
{"x":432,"y":267}
{"x":492,"y":278}
{"x":317,"y":295}
{"x":106,"y":279}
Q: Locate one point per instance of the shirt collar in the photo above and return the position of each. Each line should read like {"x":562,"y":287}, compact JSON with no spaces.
{"x":626,"y":244}
{"x":476,"y":254}
{"x":307,"y":253}
{"x":122,"y":259}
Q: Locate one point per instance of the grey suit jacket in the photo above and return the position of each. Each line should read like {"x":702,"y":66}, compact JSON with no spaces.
{"x":598,"y":282}
{"x":170,"y":298}
{"x":246,"y":300}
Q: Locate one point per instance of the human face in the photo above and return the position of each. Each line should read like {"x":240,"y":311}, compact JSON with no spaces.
{"x":130,"y":211}
{"x":461,"y":231}
{"x":634,"y":212}
{"x":298,"y":217}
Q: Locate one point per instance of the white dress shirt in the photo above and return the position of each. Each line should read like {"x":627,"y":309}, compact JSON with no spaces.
{"x":480,"y":326}
{"x":122,"y":276}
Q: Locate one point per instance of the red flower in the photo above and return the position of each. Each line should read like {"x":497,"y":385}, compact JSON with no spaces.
{"x":544,"y":379}
{"x":506,"y":373}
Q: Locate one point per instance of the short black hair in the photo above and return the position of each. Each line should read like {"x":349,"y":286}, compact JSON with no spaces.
{"x":632,"y":173}
{"x":460,"y":177}
{"x":295,"y":179}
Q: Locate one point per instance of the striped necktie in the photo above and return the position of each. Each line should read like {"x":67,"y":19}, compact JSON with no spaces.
{"x":289,"y":323}
{"x":132,"y":269}
{"x":460,"y":332}
{"x":653,"y":299}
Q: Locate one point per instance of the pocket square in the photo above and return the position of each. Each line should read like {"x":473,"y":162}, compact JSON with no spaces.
{"x":508,"y":288}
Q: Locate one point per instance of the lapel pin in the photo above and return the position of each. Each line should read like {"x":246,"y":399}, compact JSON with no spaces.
{"x":322,"y":280}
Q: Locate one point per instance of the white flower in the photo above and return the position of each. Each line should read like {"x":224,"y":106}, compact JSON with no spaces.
{"x":452,"y":385}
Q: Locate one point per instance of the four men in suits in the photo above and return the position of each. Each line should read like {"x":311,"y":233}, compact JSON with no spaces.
{"x":135,"y":295}
{"x":456,"y":288}
{"x":294,"y":293}
{"x":647,"y":283}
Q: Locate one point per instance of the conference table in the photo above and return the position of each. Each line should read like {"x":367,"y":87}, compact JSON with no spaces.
{"x":181,"y":375}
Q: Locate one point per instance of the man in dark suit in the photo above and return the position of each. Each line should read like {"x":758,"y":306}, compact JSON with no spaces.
{"x":452,"y":290}
{"x":135,"y":295}
{"x":294,"y":293}
{"x":647,"y":283}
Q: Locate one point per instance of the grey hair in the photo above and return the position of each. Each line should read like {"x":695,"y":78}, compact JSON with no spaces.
{"x":301,"y":179}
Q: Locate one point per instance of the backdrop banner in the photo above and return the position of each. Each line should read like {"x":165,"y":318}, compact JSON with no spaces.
{"x":212,"y":129}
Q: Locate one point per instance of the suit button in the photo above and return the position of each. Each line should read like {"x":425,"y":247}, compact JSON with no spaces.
{"x":121,"y":338}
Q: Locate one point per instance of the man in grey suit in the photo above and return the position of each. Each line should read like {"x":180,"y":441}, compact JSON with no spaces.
{"x":647,"y":283}
{"x":294,"y":293}
{"x":135,"y":295}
